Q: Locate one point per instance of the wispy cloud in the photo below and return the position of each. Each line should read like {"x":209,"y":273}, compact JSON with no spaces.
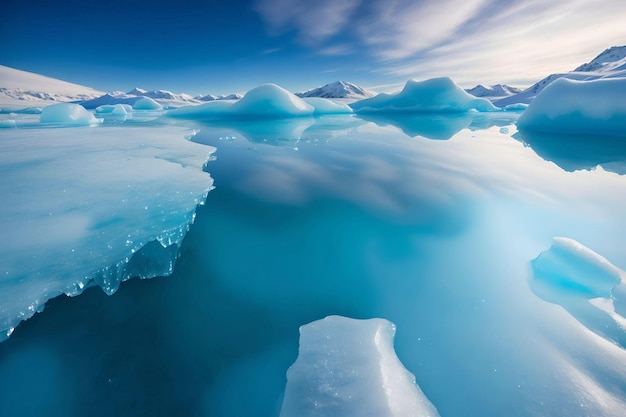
{"x":314,"y":21}
{"x":470,"y":40}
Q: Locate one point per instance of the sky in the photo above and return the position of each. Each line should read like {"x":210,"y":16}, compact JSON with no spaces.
{"x":221,"y":47}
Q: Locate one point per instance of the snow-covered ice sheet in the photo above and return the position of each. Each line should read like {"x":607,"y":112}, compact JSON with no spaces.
{"x":85,"y":206}
{"x":348,"y":368}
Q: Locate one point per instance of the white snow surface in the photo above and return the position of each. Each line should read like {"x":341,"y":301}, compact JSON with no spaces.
{"x":338,"y":89}
{"x":21,"y":89}
{"x":92,"y":205}
{"x":349,"y":368}
{"x":493,"y":91}
{"x":609,"y":64}
{"x":578,"y":107}
{"x":436,"y":95}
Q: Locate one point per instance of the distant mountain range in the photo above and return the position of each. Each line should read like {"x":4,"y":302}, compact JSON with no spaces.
{"x":493,"y":91}
{"x":23,"y":89}
{"x":338,"y":89}
{"x":609,"y":64}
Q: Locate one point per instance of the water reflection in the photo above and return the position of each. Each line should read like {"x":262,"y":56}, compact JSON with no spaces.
{"x":288,"y":131}
{"x":578,"y":152}
{"x":441,"y":126}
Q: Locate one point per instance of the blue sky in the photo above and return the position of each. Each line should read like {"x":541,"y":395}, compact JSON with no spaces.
{"x":217,"y":47}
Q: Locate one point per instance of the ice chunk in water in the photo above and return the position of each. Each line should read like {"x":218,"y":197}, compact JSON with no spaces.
{"x":67,"y":114}
{"x":348,"y":368}
{"x":430,"y":96}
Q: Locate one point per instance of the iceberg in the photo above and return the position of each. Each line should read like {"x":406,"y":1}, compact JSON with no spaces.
{"x":586,"y":284}
{"x":326,"y":106}
{"x":115,"y":109}
{"x":95,"y":207}
{"x":436,"y":95}
{"x":268,"y":101}
{"x":146,"y":103}
{"x":67,"y":114}
{"x":578,"y":107}
{"x":574,"y":267}
{"x":348,"y":368}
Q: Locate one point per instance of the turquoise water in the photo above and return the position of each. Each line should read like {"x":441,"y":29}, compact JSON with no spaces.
{"x":430,"y":222}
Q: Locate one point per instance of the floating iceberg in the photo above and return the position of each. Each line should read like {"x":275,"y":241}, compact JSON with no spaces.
{"x":579,"y":107}
{"x":437,"y":95}
{"x":325,"y":106}
{"x":67,"y":114}
{"x":586,"y":284}
{"x":268,"y":101}
{"x":146,"y":103}
{"x":115,"y":109}
{"x":348,"y":368}
{"x":574,"y":267}
{"x":97,"y":206}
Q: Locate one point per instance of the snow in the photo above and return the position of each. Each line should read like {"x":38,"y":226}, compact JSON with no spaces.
{"x":211,"y":97}
{"x":22,"y":89}
{"x":348,"y":368}
{"x":579,"y":107}
{"x":436,"y":95}
{"x":67,"y":114}
{"x":609,"y":64}
{"x":493,"y":91}
{"x":92,"y":206}
{"x":338,"y":89}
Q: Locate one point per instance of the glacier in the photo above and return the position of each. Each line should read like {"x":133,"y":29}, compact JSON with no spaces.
{"x":92,"y":206}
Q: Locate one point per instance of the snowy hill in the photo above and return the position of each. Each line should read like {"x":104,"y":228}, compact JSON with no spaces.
{"x":22,"y":88}
{"x":611,"y":63}
{"x":338,"y":89}
{"x":493,"y":91}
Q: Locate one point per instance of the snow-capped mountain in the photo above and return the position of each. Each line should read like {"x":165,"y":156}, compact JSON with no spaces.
{"x":612,"y":59}
{"x":611,"y":63}
{"x":493,"y":91}
{"x":211,"y":97}
{"x":338,"y":89}
{"x":19,"y":87}
{"x":162,"y":95}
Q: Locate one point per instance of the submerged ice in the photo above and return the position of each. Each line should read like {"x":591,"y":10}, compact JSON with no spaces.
{"x":97,"y":206}
{"x":348,"y":368}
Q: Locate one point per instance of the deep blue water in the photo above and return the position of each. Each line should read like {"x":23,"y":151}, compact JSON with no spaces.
{"x":430,"y":222}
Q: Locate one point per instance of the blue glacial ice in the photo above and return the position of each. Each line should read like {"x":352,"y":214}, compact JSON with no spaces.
{"x":67,"y":114}
{"x":97,"y":206}
{"x":268,"y":101}
{"x":436,"y":95}
{"x":349,"y":368}
{"x":146,"y":103}
{"x":578,"y":107}
{"x":586,"y":284}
